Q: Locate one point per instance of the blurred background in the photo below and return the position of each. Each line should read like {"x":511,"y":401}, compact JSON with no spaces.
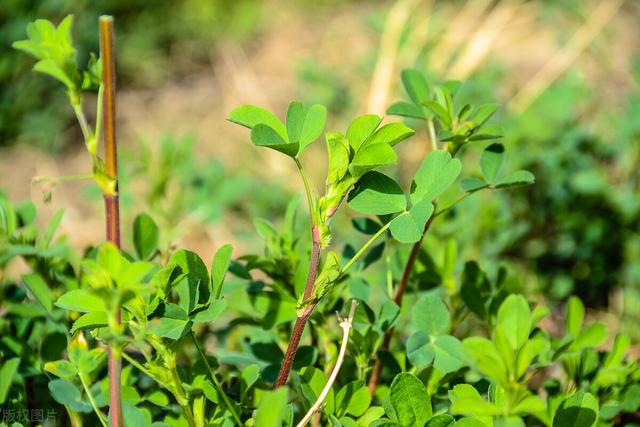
{"x":566,"y":73}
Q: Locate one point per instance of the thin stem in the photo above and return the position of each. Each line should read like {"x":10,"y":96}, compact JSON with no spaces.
{"x":112,"y":205}
{"x":136,"y":364}
{"x":458,"y":200}
{"x":99,"y":106}
{"x":364,"y":248}
{"x":345,"y":324}
{"x":92,"y":400}
{"x":307,"y":188}
{"x":402,"y":286}
{"x":432,"y":134}
{"x":87,"y":133}
{"x":216,"y":383}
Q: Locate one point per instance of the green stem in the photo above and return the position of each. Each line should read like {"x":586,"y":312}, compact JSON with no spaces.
{"x":307,"y":188}
{"x":432,"y":135}
{"x":92,"y":400}
{"x":443,"y":210}
{"x":98,"y":129}
{"x":136,"y":364}
{"x":363,"y":249}
{"x":216,"y":383}
{"x":182,"y":396}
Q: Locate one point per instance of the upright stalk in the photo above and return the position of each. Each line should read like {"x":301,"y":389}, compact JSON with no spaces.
{"x":314,"y":262}
{"x":400,"y":290}
{"x":111,"y":201}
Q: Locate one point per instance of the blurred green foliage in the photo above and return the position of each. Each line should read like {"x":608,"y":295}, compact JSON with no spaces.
{"x":148,"y":34}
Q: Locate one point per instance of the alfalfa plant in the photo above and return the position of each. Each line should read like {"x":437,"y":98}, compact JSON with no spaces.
{"x":353,"y":158}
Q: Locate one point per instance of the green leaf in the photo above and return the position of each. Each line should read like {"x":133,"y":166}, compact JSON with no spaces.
{"x":484,"y":355}
{"x":52,"y":226}
{"x":436,"y":173}
{"x":491,"y":161}
{"x":521,"y":177}
{"x":353,"y":399}
{"x":194,"y":287}
{"x":266,"y":136}
{"x":171,"y":328}
{"x":211,"y":313}
{"x":92,"y":320}
{"x":40,"y":290}
{"x":416,"y":85}
{"x":431,"y":315}
{"x":470,"y":184}
{"x":574,"y":316}
{"x":579,"y":410}
{"x":377,"y":194}
{"x":249,"y":116}
{"x":219,"y":268}
{"x":409,"y":226}
{"x":157,"y":397}
{"x":313,"y":125}
{"x":466,"y":400}
{"x":272,"y":409}
{"x":338,"y":149}
{"x":360,"y":129}
{"x":81,"y":300}
{"x":391,"y":134}
{"x":313,"y":382}
{"x":408,"y":402}
{"x":53,"y":69}
{"x":406,"y":109}
{"x":514,"y":318}
{"x":145,"y":236}
{"x":7,"y":372}
{"x":62,"y":369}
{"x":442,"y":420}
{"x":483,"y":113}
{"x":592,"y":336}
{"x":371,"y":157}
{"x":66,"y":393}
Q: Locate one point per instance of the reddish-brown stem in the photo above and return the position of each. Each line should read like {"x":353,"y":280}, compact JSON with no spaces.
{"x":301,"y":321}
{"x":400,"y":290}
{"x":111,"y":202}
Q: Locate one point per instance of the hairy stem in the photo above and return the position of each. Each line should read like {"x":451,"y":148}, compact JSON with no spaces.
{"x":345,"y":324}
{"x":216,"y":383}
{"x":292,"y":348}
{"x":112,"y":205}
{"x":400,"y":290}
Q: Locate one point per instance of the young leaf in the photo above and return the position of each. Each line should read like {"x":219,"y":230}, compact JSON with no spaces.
{"x":313,"y":125}
{"x":219,"y":267}
{"x":371,"y":157}
{"x":491,"y":161}
{"x":415,"y":85}
{"x":40,"y":290}
{"x":409,"y":226}
{"x":145,"y":236}
{"x":377,"y":194}
{"x":338,"y":149}
{"x":408,"y":402}
{"x":470,"y":184}
{"x":406,"y":109}
{"x":92,"y":320}
{"x":360,"y":129}
{"x":574,"y":316}
{"x":391,"y":134}
{"x":514,"y":318}
{"x":436,"y":173}
{"x":81,"y":300}
{"x":266,"y":136}
{"x":521,"y":177}
{"x":171,"y":328}
{"x":466,"y":400}
{"x":352,"y":399}
{"x":249,"y":116}
{"x":484,"y":355}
